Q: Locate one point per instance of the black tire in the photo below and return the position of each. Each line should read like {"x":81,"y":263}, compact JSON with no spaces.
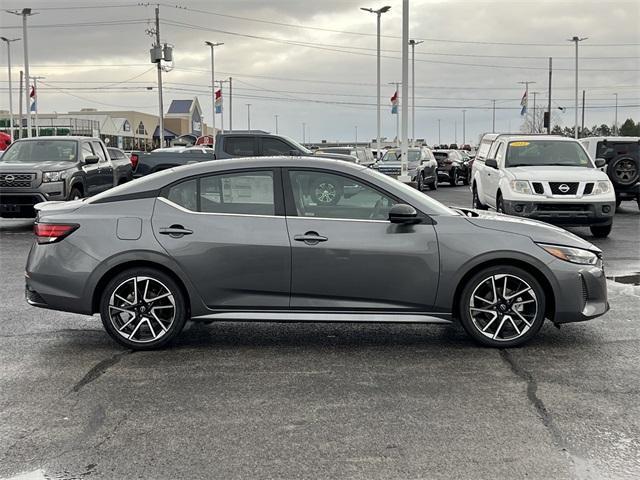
{"x":499,"y":204}
{"x":453,"y":177}
{"x":475,"y":201}
{"x":624,"y":170}
{"x":172,"y":330}
{"x":473,"y":327}
{"x":75,"y":194}
{"x":601,"y":231}
{"x":466,"y":179}
{"x":434,"y":184}
{"x":618,"y":202}
{"x":420,"y":182}
{"x":325,"y":191}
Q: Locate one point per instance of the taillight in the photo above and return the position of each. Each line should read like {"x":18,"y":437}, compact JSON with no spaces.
{"x":134,"y":160}
{"x":52,"y":232}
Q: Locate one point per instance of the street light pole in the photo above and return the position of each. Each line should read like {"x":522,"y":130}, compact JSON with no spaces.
{"x":276,"y":117}
{"x":397,"y":85}
{"x":8,"y":41}
{"x":615,"y":122}
{"x":35,"y":101}
{"x":213,"y":85}
{"x":413,"y":44}
{"x":493,"y":128}
{"x":439,"y":141}
{"x":404,"y":145}
{"x":24,"y":13}
{"x":576,"y":40}
{"x":249,"y":117}
{"x":464,"y":127}
{"x":356,"y":136}
{"x":378,"y":13}
{"x":304,"y":132}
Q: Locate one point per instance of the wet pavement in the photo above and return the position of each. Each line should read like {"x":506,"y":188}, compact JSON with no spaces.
{"x":242,"y":400}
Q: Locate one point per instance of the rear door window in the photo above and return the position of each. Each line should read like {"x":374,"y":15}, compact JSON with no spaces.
{"x":240,"y":146}
{"x":248,"y":193}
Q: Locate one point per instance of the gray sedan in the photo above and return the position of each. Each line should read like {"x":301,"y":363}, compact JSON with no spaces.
{"x":247,"y":239}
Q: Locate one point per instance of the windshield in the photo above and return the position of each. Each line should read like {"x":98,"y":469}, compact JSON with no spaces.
{"x":546,"y":152}
{"x":35,"y":151}
{"x":303,"y":149}
{"x":394,"y":156}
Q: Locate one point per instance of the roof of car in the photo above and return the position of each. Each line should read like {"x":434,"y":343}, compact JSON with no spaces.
{"x":612,"y":138}
{"x":54,"y":137}
{"x":160,"y":179}
{"x":529,"y":137}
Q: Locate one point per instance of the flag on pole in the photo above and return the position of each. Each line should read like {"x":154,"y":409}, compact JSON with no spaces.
{"x":32,"y":94}
{"x":218,"y":103}
{"x":524,"y":102}
{"x":394,"y":103}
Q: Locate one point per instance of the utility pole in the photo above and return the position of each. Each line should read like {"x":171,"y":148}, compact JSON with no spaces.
{"x":413,"y":44}
{"x":582,"y":128}
{"x":534,"y":127}
{"x":248,"y":116}
{"x":576,"y":40}
{"x":213,"y":85}
{"x":35,"y":101}
{"x":158,"y":54}
{"x":276,"y":117}
{"x":378,"y":13}
{"x":549,"y":103}
{"x":8,"y":41}
{"x":231,"y":104}
{"x":304,"y":132}
{"x":455,"y":132}
{"x":404,"y":105}
{"x":356,"y":136}
{"x":464,"y":127}
{"x":397,"y":85}
{"x":615,"y":122}
{"x":493,"y":123}
{"x":24,"y":13}
{"x":526,"y":91}
{"x":439,"y":141}
{"x":221,"y":82}
{"x":20,"y":97}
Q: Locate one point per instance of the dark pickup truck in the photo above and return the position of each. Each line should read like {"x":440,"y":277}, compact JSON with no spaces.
{"x":236,"y":144}
{"x":34,"y":170}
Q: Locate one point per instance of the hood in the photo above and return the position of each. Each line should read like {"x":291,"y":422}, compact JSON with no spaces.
{"x":35,"y":167}
{"x":539,"y":232}
{"x":556,"y":174}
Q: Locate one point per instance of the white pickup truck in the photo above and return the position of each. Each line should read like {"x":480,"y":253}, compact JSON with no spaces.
{"x":548,"y":178}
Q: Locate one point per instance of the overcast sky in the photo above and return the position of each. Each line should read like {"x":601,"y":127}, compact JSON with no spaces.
{"x":99,"y":57}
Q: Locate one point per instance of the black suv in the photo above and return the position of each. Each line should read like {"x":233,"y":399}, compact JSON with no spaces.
{"x":34,"y":170}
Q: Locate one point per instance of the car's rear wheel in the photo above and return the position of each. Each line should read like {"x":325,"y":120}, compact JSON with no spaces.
{"x":477,"y":204}
{"x":467,"y":178}
{"x":420,"y":182}
{"x":601,"y":231}
{"x":502,"y":306}
{"x":453,"y":179}
{"x":75,"y":194}
{"x":143,"y":308}
{"x":434,"y":184}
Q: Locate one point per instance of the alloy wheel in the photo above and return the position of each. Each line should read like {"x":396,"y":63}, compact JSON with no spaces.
{"x":503,"y":307}
{"x":142,"y":309}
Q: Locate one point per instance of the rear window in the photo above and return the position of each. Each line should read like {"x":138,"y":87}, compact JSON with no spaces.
{"x":35,"y":151}
{"x":240,"y":146}
{"x":441,"y":155}
{"x":610,"y":150}
{"x":394,"y":156}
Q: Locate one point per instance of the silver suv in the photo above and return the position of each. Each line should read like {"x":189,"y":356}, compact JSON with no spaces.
{"x":34,"y":170}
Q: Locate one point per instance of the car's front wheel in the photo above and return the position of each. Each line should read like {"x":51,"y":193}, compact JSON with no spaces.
{"x":601,"y":231}
{"x":502,"y":306}
{"x":476,"y":203}
{"x":143,"y":309}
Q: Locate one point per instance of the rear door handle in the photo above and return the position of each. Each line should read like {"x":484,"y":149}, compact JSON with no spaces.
{"x":176,"y":231}
{"x":310,"y":238}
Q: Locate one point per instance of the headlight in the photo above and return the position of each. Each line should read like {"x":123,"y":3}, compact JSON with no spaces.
{"x":601,"y":187}
{"x":520,"y":186}
{"x":569,"y":254}
{"x":54,"y":176}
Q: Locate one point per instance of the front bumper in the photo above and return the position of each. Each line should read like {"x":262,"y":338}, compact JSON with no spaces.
{"x":567,"y":213}
{"x":582,"y":295}
{"x":18,"y":203}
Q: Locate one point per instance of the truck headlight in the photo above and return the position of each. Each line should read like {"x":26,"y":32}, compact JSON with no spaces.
{"x":570,"y":254}
{"x":602,"y":187}
{"x":54,"y":176}
{"x":520,"y":186}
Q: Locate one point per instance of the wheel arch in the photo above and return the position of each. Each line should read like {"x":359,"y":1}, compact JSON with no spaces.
{"x":550,"y":299}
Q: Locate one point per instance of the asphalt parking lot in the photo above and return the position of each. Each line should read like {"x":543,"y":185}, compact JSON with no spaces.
{"x":242,"y":400}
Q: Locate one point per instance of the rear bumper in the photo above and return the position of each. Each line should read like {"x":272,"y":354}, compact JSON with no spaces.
{"x":563,"y":213}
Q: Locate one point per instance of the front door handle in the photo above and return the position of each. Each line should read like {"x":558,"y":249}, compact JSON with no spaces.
{"x":175,"y":231}
{"x":310,"y":238}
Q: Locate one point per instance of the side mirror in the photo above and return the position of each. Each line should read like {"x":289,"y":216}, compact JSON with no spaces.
{"x":91,"y":159}
{"x":491,"y":162}
{"x":403,"y":214}
{"x":600,"y":162}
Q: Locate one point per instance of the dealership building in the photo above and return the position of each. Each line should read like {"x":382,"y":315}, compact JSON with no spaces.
{"x":126,"y":129}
